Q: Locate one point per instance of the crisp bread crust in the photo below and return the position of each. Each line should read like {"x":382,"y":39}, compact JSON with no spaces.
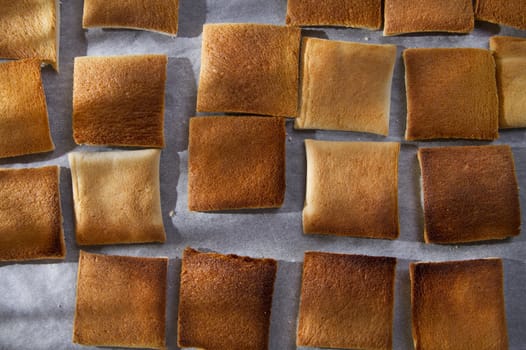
{"x":154,"y":15}
{"x":470,"y":193}
{"x":249,"y":68}
{"x":345,"y":86}
{"x":346,"y":301}
{"x":451,"y":93}
{"x":30,"y":30}
{"x":510,"y":57}
{"x":409,"y":16}
{"x":24,"y":125}
{"x":236,"y":163}
{"x":458,"y":305}
{"x":225,"y":301}
{"x":117,"y":197}
{"x":30,"y":214}
{"x":352,"y":189}
{"x":508,"y":12}
{"x":119,"y":100}
{"x":349,"y":13}
{"x":121,"y":301}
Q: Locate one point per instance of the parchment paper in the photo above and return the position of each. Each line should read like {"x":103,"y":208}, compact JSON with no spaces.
{"x":37,"y":300}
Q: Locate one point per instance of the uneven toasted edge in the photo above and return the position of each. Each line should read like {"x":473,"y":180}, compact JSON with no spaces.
{"x":496,"y":44}
{"x":301,"y":24}
{"x":82,"y":254}
{"x":423,"y":199}
{"x":62,"y":238}
{"x":461,"y":31}
{"x":299,"y":122}
{"x":228,"y":257}
{"x":298,"y":23}
{"x":167,"y":33}
{"x":52,"y":148}
{"x":246,"y":208}
{"x":202,"y":62}
{"x":42,"y":91}
{"x":117,"y":144}
{"x":73,"y":160}
{"x":502,"y":41}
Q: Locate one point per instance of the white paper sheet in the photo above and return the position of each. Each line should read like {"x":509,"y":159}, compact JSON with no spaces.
{"x":37,"y":300}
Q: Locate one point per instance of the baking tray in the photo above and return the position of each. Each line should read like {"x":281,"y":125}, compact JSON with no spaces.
{"x":37,"y":299}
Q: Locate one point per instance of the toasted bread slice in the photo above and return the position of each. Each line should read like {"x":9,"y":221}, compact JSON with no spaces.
{"x":352,"y":189}
{"x":31,"y":29}
{"x":121,"y":301}
{"x":117,"y":197}
{"x":458,"y":305}
{"x":510,"y":57}
{"x":249,"y":68}
{"x":345,"y":86}
{"x":451,"y":93}
{"x":24,"y":124}
{"x":410,"y":16}
{"x":350,"y":13}
{"x":508,"y":12}
{"x":346,"y":301}
{"x":236,"y":163}
{"x":119,"y":100}
{"x":153,"y":15}
{"x":30,"y":214}
{"x":225,"y":301}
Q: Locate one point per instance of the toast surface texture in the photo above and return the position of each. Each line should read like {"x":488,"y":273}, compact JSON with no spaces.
{"x":225,"y":301}
{"x":249,"y":68}
{"x":352,"y":189}
{"x":346,"y":301}
{"x":30,"y":30}
{"x":458,"y":305}
{"x":119,"y":100}
{"x":470,"y":194}
{"x":510,"y":57}
{"x":30,"y":214}
{"x":451,"y":93}
{"x":24,"y":124}
{"x":347,"y":13}
{"x":121,"y":301}
{"x":345,"y":86}
{"x":117,"y":197}
{"x":410,"y":16}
